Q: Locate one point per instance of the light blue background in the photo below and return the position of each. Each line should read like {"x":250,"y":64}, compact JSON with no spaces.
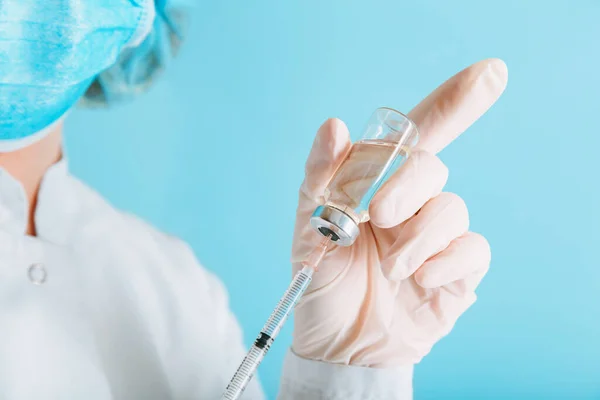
{"x":215,"y":154}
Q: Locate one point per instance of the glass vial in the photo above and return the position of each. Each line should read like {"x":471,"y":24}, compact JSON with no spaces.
{"x":385,"y":145}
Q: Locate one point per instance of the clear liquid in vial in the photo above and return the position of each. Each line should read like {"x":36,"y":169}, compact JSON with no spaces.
{"x":367,"y":166}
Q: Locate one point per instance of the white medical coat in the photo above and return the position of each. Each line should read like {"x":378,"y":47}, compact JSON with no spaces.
{"x":126,"y":312}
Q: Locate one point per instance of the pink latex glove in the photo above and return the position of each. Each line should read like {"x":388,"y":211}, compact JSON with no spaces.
{"x":387,"y":299}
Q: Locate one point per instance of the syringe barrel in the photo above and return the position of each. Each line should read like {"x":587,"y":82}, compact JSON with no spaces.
{"x":263,"y":342}
{"x":244,"y":373}
{"x":287,"y":302}
{"x":386,"y":143}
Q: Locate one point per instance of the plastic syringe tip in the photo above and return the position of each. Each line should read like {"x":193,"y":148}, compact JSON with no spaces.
{"x":316,"y":256}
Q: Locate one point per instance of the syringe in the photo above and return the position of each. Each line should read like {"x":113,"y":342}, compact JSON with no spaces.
{"x":269,"y":332}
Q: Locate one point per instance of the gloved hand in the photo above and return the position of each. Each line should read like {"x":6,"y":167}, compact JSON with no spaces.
{"x":387,"y":299}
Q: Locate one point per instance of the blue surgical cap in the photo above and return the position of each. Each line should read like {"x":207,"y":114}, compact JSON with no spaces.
{"x":138,"y":67}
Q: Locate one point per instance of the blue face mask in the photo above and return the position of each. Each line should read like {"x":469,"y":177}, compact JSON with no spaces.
{"x":50,"y":52}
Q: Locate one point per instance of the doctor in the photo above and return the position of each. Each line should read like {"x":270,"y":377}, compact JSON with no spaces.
{"x":96,"y":304}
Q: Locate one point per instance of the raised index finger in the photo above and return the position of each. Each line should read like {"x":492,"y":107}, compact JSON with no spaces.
{"x":458,"y":103}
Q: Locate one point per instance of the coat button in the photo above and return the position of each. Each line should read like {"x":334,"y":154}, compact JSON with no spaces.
{"x":37,"y":273}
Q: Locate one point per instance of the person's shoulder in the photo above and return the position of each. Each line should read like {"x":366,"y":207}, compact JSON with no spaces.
{"x":113,"y":230}
{"x":143,"y":232}
{"x":158,"y":272}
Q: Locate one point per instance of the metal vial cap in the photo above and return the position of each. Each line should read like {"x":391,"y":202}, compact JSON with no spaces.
{"x":329,"y":220}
